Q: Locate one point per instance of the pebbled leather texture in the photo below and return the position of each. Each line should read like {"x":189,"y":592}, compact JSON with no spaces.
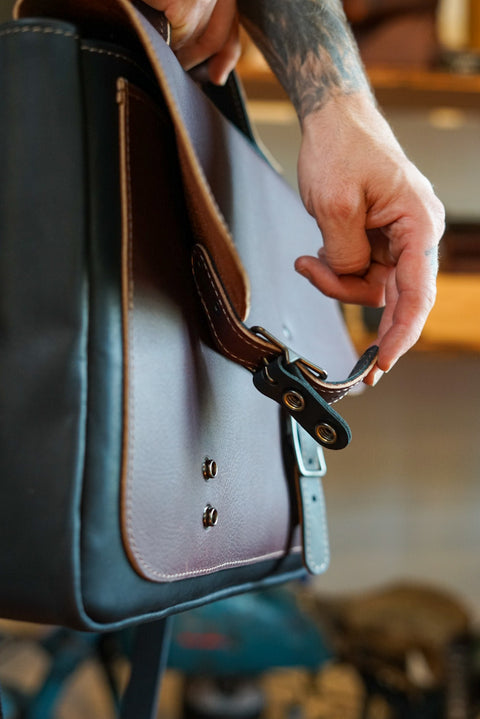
{"x":123,"y":395}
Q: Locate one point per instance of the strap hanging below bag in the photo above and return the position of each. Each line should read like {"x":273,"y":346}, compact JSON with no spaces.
{"x":148,"y":663}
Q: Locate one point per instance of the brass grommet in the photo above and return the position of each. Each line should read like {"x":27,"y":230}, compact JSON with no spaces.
{"x":210,"y":516}
{"x":209,"y":468}
{"x":293,"y":400}
{"x":325,"y":433}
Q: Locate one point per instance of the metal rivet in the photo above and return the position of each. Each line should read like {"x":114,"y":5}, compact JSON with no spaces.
{"x":293,"y":400}
{"x":325,"y":433}
{"x":209,"y":468}
{"x":210,"y":516}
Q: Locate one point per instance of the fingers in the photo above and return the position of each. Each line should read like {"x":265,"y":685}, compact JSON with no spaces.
{"x":222,"y":64}
{"x":368,"y":290}
{"x":208,"y":30}
{"x":410,"y":296}
{"x":380,"y":221}
{"x":341,"y":216}
{"x":405,"y":284}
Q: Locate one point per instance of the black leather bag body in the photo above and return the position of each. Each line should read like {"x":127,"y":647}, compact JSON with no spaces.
{"x":141,"y":472}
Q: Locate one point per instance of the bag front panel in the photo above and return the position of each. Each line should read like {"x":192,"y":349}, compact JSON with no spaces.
{"x":188,"y":401}
{"x":185,"y":403}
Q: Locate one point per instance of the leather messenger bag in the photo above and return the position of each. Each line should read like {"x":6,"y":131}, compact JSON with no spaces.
{"x":146,"y":274}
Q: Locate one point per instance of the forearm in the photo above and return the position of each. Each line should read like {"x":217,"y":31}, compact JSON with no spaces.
{"x":310,"y":48}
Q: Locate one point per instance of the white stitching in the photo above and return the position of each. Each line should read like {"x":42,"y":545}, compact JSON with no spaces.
{"x":130,"y":330}
{"x":222,"y":565}
{"x":335,"y":393}
{"x":117,"y":55}
{"x":38,"y":29}
{"x":244,"y":339}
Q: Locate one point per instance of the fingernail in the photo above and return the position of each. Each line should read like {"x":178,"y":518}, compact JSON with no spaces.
{"x":391,"y":366}
{"x":377,"y":375}
{"x":223,"y":78}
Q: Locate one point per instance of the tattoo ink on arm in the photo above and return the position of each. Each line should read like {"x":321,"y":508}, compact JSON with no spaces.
{"x":309,"y":46}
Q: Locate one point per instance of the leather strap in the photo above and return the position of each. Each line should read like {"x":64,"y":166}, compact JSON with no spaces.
{"x":292,"y":381}
{"x":149,"y":660}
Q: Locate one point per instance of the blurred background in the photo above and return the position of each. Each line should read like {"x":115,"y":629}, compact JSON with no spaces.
{"x":403,"y":501}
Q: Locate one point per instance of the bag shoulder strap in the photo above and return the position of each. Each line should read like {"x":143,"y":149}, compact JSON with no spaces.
{"x":148,"y":664}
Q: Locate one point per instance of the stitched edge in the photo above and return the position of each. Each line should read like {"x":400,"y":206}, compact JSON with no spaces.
{"x":39,"y":29}
{"x":245,"y":339}
{"x":335,"y":393}
{"x":186,"y":147}
{"x":117,"y":55}
{"x":128,"y":294}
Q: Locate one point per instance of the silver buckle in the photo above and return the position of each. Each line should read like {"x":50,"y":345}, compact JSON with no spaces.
{"x":308,"y":453}
{"x":290,"y":356}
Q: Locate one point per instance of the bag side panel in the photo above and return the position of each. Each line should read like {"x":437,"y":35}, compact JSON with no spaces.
{"x":43,"y":319}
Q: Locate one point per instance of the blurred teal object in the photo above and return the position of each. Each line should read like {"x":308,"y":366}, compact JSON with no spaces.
{"x":247,"y":635}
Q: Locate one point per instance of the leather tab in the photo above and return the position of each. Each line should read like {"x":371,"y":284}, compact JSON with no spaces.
{"x":308,"y":469}
{"x":285,"y":384}
{"x":316,"y":553}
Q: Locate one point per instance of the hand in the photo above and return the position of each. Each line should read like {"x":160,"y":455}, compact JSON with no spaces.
{"x":380,"y":219}
{"x":204,"y":30}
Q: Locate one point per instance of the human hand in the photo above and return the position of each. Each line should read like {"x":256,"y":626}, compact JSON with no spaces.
{"x":380,"y":219}
{"x":204,"y":30}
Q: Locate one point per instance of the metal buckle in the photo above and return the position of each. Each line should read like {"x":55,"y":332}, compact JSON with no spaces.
{"x":291,"y":357}
{"x":308,"y":453}
{"x":281,"y":378}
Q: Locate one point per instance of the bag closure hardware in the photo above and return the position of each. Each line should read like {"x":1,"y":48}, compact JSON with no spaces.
{"x":279,"y":373}
{"x":309,"y":467}
{"x":290,"y":356}
{"x":281,"y":379}
{"x":283,"y":382}
{"x":309,"y":456}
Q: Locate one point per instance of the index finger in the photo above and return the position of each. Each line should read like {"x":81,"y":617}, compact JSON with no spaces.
{"x":410,"y":296}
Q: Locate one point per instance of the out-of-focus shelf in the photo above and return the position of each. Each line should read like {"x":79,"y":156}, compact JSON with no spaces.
{"x":452,"y":326}
{"x":405,"y":87}
{"x":424,"y":88}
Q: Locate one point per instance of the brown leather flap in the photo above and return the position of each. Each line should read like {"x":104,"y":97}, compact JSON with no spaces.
{"x":192,"y":134}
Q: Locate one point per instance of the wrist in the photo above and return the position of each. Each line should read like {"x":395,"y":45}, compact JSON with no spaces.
{"x":358,"y":108}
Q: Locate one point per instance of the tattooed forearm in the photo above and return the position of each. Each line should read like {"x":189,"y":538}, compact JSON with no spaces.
{"x":309,"y":46}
